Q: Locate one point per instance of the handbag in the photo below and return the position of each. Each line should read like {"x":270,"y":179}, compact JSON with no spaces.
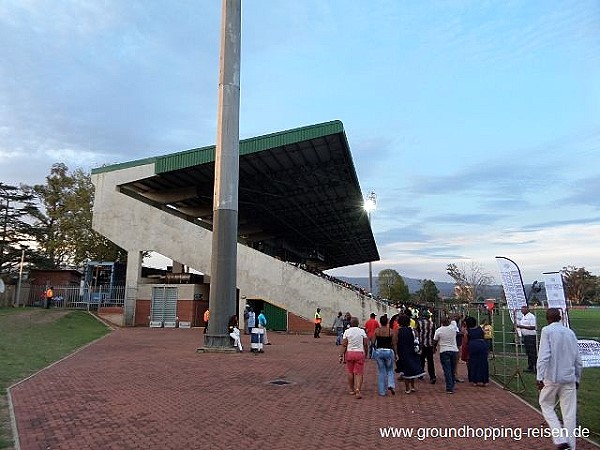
{"x":417,"y":344}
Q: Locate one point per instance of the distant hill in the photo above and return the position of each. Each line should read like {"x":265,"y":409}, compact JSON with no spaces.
{"x":446,"y":288}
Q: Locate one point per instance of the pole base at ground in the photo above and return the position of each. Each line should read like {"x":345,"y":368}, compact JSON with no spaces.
{"x":219,"y":343}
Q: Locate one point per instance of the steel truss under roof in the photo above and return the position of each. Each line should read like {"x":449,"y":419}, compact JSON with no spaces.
{"x":299,"y":196}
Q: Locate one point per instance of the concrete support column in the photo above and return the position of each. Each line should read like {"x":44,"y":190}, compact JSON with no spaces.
{"x":132,"y":279}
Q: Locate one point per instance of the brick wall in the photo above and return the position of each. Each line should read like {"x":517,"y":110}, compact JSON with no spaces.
{"x":54,"y":277}
{"x":142,"y":313}
{"x":189,"y":311}
{"x":297,"y":324}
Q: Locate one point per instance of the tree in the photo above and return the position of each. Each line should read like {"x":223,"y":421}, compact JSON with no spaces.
{"x":85,"y":242}
{"x":63,"y":221}
{"x":393,"y":287}
{"x":581,"y":285}
{"x":14,"y":229}
{"x":471,"y":280}
{"x":428,"y":292}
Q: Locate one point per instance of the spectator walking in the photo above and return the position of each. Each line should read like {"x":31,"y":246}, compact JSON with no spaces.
{"x":426,"y":330}
{"x":527,"y":326}
{"x":394,"y":322}
{"x":386,"y":341}
{"x":488,"y":334}
{"x":409,"y":364}
{"x":445,"y":340}
{"x":370,"y":326}
{"x":459,"y":327}
{"x":318,"y":320}
{"x":262,"y":323}
{"x":558,"y":374}
{"x":477,"y":365}
{"x":411,"y":321}
{"x":338,"y":328}
{"x":355,"y":346}
{"x":347,"y":318}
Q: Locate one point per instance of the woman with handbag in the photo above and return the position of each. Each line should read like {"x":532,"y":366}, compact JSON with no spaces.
{"x":409,"y":362}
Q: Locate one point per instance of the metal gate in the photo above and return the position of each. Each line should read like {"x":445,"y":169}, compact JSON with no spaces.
{"x":164,"y":307}
{"x":276,"y":317}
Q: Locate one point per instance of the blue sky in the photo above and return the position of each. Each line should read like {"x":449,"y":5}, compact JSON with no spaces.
{"x":477,"y":123}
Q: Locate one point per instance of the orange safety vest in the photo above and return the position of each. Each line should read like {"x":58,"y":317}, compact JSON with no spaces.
{"x":49,"y":293}
{"x":317,"y":318}
{"x":206,"y":315}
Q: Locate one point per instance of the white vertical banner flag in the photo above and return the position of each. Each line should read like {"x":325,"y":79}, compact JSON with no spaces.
{"x":555,"y":294}
{"x":512,"y":282}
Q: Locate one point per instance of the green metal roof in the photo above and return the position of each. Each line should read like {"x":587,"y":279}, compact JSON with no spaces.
{"x":299,"y":196}
{"x":203,"y":155}
{"x":125,"y":165}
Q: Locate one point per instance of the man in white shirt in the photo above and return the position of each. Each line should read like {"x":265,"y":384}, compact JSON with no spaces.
{"x":444,"y":338}
{"x":527,"y":326}
{"x":558,"y":373}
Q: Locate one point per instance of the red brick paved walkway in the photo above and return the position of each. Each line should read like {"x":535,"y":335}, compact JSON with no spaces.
{"x":149,"y":389}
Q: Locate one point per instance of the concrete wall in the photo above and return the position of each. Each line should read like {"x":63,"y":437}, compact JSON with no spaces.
{"x":136,"y":226}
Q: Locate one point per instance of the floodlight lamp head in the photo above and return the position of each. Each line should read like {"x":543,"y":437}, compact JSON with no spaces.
{"x":371,"y":202}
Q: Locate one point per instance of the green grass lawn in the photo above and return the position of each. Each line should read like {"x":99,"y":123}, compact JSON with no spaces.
{"x":33,"y":338}
{"x":586,"y":324}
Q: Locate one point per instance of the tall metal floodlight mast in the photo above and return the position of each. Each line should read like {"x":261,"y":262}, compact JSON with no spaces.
{"x":222,"y":299}
{"x":370,"y":206}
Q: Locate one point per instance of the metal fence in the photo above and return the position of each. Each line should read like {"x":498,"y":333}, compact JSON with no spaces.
{"x":76,"y":297}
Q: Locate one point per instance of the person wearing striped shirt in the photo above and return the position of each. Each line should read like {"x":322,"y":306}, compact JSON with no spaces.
{"x":426,"y":330}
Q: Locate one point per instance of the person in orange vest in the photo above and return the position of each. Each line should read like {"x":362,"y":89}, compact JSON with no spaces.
{"x":206,"y":317}
{"x":318,"y":320}
{"x":49,"y":296}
